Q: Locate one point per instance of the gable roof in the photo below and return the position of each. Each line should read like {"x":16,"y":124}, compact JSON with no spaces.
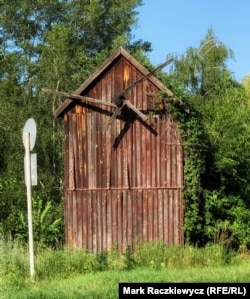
{"x":119,"y":52}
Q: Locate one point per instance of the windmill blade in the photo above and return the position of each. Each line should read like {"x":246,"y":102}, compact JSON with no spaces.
{"x":83,"y":99}
{"x":141,"y":79}
{"x":138,"y":112}
{"x":132,"y":107}
{"x":120,"y":95}
{"x":117,"y":111}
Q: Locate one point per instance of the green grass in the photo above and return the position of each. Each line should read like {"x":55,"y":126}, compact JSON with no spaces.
{"x":105,"y":284}
{"x":78,"y":274}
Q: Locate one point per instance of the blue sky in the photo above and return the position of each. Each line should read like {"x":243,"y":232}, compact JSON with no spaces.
{"x":174,"y":25}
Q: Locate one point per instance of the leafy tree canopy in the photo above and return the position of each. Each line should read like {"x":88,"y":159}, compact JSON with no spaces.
{"x":223,"y":106}
{"x":55,"y":43}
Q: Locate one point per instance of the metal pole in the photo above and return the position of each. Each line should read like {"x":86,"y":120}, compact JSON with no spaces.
{"x":29,"y":203}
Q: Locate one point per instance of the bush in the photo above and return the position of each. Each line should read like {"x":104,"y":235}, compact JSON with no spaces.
{"x":47,"y":221}
{"x":158,"y":255}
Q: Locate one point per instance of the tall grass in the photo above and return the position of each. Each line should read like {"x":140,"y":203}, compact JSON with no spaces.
{"x":63,"y":263}
{"x":157,"y":255}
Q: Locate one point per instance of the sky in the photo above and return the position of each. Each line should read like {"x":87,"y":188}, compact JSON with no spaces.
{"x":172,"y":26}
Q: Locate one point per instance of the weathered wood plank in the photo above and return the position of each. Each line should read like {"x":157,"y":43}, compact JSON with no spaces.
{"x":79,"y":219}
{"x":83,"y":99}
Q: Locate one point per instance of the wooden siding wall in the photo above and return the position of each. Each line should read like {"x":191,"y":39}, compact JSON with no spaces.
{"x":131,"y":156}
{"x":123,"y":184}
{"x":100,"y":219}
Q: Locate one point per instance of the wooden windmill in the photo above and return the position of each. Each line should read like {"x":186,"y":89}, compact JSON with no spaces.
{"x":123,"y":161}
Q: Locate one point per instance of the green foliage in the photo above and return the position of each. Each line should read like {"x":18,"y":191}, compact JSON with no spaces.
{"x":227,"y":220}
{"x":246,"y":85}
{"x":202,"y":70}
{"x":68,"y":273}
{"x":195,"y":145}
{"x":216,"y":142}
{"x":62,"y":263}
{"x":52,"y":44}
{"x":194,"y":148}
{"x":158,"y":256}
{"x":47,"y":224}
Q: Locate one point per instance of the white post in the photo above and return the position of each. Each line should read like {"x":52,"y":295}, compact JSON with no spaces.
{"x":29,"y":203}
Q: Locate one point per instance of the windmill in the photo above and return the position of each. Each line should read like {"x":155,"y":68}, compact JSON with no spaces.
{"x":123,"y":183}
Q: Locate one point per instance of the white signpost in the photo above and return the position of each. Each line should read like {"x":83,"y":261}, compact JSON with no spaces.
{"x":29,"y":139}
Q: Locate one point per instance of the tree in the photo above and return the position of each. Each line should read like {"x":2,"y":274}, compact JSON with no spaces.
{"x":222,"y":104}
{"x":49,"y":44}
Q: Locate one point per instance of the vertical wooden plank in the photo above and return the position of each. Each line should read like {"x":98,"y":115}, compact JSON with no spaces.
{"x":66,"y":152}
{"x":99,"y":145}
{"x":138,"y":164}
{"x":126,"y":147}
{"x":166,"y":216}
{"x":90,"y":170}
{"x":104,"y":219}
{"x":119,"y":156}
{"x":120,"y":218}
{"x":144,"y":88}
{"x":131,"y":159}
{"x":68,"y":217}
{"x":176,"y":220}
{"x":167,"y":171}
{"x":171,"y":217}
{"x":160,"y":214}
{"x":155,"y":213}
{"x":113,"y":158}
{"x":125,"y":222}
{"x":153,"y":159}
{"x":139,"y":201}
{"x":156,"y":164}
{"x":71,"y":154}
{"x":148,"y":158}
{"x":84,"y":151}
{"x":135,"y":216}
{"x":150,"y":215}
{"x":94,"y":221}
{"x":141,"y":158}
{"x":130,"y":219}
{"x":95,"y":145}
{"x":99,"y":234}
{"x":74,"y":219}
{"x":139,"y":96}
{"x":131,"y":95}
{"x":104,"y":149}
{"x":119,"y":83}
{"x":75,"y":132}
{"x":109,"y":221}
{"x":107,"y":139}
{"x":181,"y":211}
{"x":79,"y":169}
{"x":84,"y":219}
{"x":114,"y":218}
{"x":145,"y":215}
{"x":89,"y":222}
{"x":108,"y":156}
{"x":79,"y":218}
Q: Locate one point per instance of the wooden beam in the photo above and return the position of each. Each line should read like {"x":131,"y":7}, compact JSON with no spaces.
{"x":82,"y":99}
{"x":117,"y":111}
{"x":138,"y":112}
{"x":122,"y":93}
